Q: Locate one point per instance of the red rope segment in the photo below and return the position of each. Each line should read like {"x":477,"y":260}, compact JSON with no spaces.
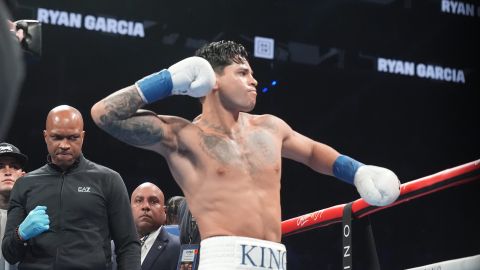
{"x":408,"y":191}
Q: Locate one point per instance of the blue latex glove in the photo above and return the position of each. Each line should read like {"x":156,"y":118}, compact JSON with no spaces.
{"x":35,"y":223}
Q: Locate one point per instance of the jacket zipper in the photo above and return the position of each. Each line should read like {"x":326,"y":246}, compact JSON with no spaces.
{"x":59,"y":214}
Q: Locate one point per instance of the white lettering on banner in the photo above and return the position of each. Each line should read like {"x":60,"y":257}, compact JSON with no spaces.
{"x":113,"y":26}
{"x":62,"y":18}
{"x":90,"y":22}
{"x":421,"y":70}
{"x":396,"y":67}
{"x":458,"y":8}
{"x":440,"y":73}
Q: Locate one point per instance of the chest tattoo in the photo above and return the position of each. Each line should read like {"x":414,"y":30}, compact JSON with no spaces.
{"x":218,"y":149}
{"x":253,"y":153}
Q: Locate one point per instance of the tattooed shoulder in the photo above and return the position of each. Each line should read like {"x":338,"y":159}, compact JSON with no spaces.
{"x":136,"y":131}
{"x":122,"y":105}
{"x":121,"y":121}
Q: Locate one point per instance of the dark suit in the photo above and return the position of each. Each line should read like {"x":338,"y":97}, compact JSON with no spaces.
{"x":164,"y":253}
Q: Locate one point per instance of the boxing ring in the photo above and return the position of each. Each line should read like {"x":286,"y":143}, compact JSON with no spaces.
{"x":358,"y":213}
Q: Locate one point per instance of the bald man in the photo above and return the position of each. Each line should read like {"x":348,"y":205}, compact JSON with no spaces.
{"x":160,"y":249}
{"x":64,"y":214}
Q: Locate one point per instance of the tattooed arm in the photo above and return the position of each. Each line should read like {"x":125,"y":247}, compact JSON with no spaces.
{"x":119,"y":115}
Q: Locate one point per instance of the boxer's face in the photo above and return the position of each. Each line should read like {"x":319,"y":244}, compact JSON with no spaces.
{"x":10,"y":171}
{"x":148,"y":208}
{"x":237,"y":87}
{"x":64,"y":139}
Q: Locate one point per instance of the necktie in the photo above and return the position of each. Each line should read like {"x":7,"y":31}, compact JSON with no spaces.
{"x":143,"y":239}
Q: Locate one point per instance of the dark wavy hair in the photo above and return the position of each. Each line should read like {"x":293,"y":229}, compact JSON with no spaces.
{"x":223,"y":53}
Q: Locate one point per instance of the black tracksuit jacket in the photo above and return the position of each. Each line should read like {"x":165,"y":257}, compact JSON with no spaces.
{"x":87,"y":205}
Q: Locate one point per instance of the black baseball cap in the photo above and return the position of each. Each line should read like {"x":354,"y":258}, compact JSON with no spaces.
{"x":10,"y":150}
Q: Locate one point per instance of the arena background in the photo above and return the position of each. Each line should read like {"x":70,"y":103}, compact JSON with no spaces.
{"x":329,"y":86}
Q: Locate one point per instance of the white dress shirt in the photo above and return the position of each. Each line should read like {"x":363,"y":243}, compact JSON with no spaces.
{"x":149,"y":243}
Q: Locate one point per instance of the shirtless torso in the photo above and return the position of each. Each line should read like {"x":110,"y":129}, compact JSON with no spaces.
{"x":227,"y":162}
{"x":232,"y":181}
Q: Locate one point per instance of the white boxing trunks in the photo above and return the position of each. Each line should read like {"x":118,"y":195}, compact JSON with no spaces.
{"x":233,"y":252}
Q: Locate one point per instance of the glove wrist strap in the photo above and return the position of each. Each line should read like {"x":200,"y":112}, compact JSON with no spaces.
{"x":155,"y":86}
{"x":344,"y":168}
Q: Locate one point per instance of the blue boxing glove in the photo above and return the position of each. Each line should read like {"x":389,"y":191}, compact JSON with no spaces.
{"x":34,"y":224}
{"x":193,"y":76}
{"x":377,"y":186}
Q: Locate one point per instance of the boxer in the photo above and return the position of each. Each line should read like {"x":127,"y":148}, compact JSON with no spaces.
{"x":228,"y":161}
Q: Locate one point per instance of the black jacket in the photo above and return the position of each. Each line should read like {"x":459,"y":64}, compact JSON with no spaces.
{"x":88,"y":205}
{"x":164,"y":252}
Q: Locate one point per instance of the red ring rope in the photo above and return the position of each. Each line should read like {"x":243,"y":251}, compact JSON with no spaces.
{"x":408,"y":191}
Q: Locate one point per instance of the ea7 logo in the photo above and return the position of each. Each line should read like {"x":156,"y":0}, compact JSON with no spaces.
{"x":83,"y":189}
